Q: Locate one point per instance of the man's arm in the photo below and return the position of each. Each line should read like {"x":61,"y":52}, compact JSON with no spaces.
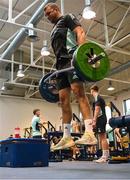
{"x":42,"y":120}
{"x":80,"y":35}
{"x":96,"y":113}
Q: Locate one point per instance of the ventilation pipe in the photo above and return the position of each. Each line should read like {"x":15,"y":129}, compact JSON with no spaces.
{"x":119,"y":68}
{"x":20,"y":37}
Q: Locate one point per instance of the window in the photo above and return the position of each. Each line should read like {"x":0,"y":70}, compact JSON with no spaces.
{"x":108,"y":113}
{"x":127,"y":106}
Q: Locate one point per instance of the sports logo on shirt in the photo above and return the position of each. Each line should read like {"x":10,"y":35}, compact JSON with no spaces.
{"x":74,"y":76}
{"x":72,"y":16}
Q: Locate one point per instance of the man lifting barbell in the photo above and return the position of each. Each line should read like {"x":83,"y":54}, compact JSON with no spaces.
{"x":66,"y":35}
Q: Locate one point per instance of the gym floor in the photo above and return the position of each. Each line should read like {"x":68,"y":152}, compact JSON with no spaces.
{"x":69,"y":170}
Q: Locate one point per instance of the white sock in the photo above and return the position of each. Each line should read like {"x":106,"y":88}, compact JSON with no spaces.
{"x":88,"y":125}
{"x":66,"y":130}
{"x":105,"y":153}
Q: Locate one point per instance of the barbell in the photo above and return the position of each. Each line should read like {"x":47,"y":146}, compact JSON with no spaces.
{"x":90,"y":62}
{"x":121,"y":121}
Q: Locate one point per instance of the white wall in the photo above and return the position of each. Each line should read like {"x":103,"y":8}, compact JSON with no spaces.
{"x":118,"y":101}
{"x":16,"y":112}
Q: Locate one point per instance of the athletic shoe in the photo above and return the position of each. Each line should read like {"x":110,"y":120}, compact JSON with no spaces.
{"x":87,"y":139}
{"x":101,"y":160}
{"x":65,"y":142}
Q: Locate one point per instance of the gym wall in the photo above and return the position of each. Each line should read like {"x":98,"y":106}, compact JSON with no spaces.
{"x":16,"y":112}
{"x":118,"y":100}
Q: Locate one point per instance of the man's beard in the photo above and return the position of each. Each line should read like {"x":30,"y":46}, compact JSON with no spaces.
{"x":53,"y":21}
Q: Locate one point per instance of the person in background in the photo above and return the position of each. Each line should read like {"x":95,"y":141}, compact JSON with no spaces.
{"x":99,"y":123}
{"x":118,"y":138}
{"x":11,"y":136}
{"x":75,"y":126}
{"x":35,"y":124}
{"x":67,"y":34}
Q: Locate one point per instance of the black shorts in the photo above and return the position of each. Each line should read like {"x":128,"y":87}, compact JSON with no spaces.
{"x":64,"y":80}
{"x":101,"y":124}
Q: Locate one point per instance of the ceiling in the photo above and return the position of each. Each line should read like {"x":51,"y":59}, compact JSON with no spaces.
{"x":110,"y":29}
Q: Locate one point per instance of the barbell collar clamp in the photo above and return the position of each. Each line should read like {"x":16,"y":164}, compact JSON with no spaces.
{"x":93,"y":60}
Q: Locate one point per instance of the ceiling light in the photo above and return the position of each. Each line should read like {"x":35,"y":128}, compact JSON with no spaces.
{"x":110,"y":87}
{"x":32,"y":35}
{"x":20,"y":72}
{"x":3,"y":88}
{"x":45,"y":50}
{"x":88,"y":13}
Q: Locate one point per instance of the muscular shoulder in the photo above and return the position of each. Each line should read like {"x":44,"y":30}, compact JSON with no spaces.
{"x":71,"y":21}
{"x":70,"y":16}
{"x":100,"y":100}
{"x":35,"y":119}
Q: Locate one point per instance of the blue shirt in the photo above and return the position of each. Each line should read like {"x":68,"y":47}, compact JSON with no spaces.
{"x":35,"y":127}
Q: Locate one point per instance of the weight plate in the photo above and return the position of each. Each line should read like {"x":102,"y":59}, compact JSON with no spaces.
{"x":91,"y":72}
{"x":48,"y":90}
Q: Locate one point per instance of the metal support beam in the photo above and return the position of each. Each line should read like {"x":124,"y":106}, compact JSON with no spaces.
{"x":43,"y":65}
{"x":26,"y":9}
{"x":10,"y":10}
{"x":122,"y":30}
{"x":127,"y":1}
{"x":119,"y":25}
{"x":115,"y":49}
{"x":119,"y":68}
{"x":62,"y":7}
{"x":20,"y":25}
{"x":31,"y":53}
{"x":21,"y":84}
{"x":119,"y":50}
{"x":24,"y":26}
{"x":33,"y":93}
{"x":117,"y":80}
{"x":22,"y":33}
{"x":23,"y":46}
{"x":117,"y":42}
{"x":105,"y":24}
{"x":18,"y":12}
{"x":8,"y":40}
{"x":104,"y":95}
{"x":28,"y":91}
{"x":16,"y":97}
{"x":12,"y":68}
{"x":92,"y":20}
{"x":118,"y":4}
{"x":25,"y":64}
